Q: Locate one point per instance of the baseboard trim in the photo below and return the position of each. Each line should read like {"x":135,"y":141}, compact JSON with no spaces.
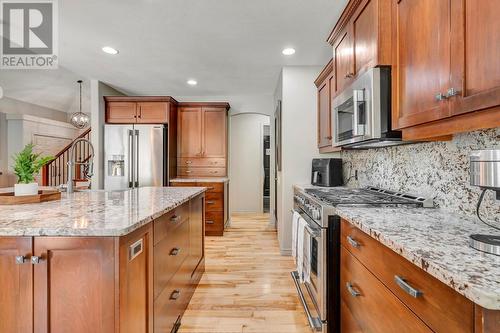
{"x":286,"y":252}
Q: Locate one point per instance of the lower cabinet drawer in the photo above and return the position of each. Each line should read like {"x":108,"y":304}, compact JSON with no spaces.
{"x":213,"y":187}
{"x":168,"y":307}
{"x":214,"y":202}
{"x":184,"y":184}
{"x":368,"y":306}
{"x":169,"y":254}
{"x":169,"y":221}
{"x":214,"y":223}
{"x":201,"y":172}
{"x":201,"y":162}
{"x":439,"y":306}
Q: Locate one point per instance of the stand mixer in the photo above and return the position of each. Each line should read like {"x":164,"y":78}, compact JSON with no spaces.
{"x":485,"y":173}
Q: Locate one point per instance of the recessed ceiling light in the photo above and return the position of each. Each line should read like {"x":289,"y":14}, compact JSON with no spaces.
{"x":109,"y":50}
{"x":192,"y":82}
{"x":288,"y":51}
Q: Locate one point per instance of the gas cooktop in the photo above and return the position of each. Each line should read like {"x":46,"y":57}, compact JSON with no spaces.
{"x":366,"y":196}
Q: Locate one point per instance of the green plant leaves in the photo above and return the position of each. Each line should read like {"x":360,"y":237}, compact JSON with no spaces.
{"x":27,"y":164}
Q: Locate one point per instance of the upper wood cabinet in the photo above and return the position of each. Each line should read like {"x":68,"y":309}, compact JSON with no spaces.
{"x":190,"y":134}
{"x":422,"y":61}
{"x":446,"y":66}
{"x":326,"y":86}
{"x":361,"y":39}
{"x":214,"y":132}
{"x":138,"y":110}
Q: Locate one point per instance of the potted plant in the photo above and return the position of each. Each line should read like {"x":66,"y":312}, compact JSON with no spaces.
{"x":26,"y":166}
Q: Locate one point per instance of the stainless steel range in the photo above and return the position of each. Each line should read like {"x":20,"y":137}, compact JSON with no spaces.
{"x":321,"y":296}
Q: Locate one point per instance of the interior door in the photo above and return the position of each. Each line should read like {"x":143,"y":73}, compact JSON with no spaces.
{"x":151,"y":153}
{"x":476,"y":74}
{"x":190,"y":135}
{"x":118,"y":141}
{"x":422,"y":55}
{"x":214,"y":132}
{"x":74,"y":285}
{"x":16,"y":285}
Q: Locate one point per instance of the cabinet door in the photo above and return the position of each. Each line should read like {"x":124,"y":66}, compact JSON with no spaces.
{"x":190,"y":132}
{"x":152,"y":112}
{"x":370,"y":303}
{"x":121,"y":112}
{"x":16,"y":285}
{"x":343,"y":54}
{"x":422,"y":56}
{"x":324,"y":114}
{"x":196,"y":232}
{"x":476,"y":74}
{"x":74,"y":285}
{"x":365,"y":37}
{"x":214,"y":132}
{"x":136,"y":281}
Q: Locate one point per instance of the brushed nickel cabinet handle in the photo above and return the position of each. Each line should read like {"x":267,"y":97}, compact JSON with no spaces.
{"x":175,"y":294}
{"x":210,"y":202}
{"x":175,"y":218}
{"x":353,"y":242}
{"x":209,"y":222}
{"x":21,"y":260}
{"x":401,"y":282}
{"x":35,"y":260}
{"x":351,"y":290}
{"x":452,"y":92}
{"x":175,"y":251}
{"x":188,"y":171}
{"x":440,"y":97}
{"x":211,"y":188}
{"x":189,"y":162}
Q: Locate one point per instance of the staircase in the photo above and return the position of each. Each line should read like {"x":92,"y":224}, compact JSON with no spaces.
{"x":55,"y":173}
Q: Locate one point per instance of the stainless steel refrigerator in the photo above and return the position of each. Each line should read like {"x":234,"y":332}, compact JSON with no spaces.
{"x":135,"y":156}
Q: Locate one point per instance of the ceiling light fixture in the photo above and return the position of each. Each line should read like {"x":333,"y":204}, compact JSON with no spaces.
{"x":192,"y":82}
{"x":109,"y":50}
{"x":288,"y":51}
{"x":79,"y":119}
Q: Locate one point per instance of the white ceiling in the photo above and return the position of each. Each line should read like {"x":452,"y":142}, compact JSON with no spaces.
{"x":231,"y":47}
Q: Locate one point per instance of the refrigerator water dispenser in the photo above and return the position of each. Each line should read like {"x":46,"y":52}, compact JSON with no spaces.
{"x":116,"y":166}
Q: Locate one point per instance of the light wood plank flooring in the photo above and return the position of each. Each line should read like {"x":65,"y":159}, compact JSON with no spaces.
{"x":247,"y":286}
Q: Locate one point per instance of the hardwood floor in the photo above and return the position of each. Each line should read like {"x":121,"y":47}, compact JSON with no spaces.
{"x":247,"y":286}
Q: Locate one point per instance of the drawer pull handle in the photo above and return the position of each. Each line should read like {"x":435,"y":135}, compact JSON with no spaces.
{"x":210,"y":202}
{"x":213,"y":172}
{"x":21,"y":260}
{"x":211,"y":188}
{"x":351,"y":290}
{"x":209,"y":222}
{"x":188,"y":171}
{"x":35,"y":260}
{"x":175,"y":294}
{"x":175,"y":218}
{"x":175,"y":251}
{"x":401,"y":282}
{"x":189,"y":162}
{"x":353,"y":242}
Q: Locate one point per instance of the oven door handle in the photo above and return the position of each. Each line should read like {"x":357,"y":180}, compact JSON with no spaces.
{"x":310,"y":231}
{"x":314,"y":322}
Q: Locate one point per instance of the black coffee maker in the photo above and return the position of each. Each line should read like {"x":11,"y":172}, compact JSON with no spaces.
{"x":327,"y":172}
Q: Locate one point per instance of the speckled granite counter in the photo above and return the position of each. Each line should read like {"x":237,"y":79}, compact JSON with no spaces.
{"x":93,"y":213}
{"x":200,"y":180}
{"x":438,"y":242}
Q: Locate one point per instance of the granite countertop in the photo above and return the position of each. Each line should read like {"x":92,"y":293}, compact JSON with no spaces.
{"x":200,"y":180}
{"x":93,"y":213}
{"x":438,"y":242}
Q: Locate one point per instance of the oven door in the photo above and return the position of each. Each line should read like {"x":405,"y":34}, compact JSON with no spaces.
{"x":313,"y":294}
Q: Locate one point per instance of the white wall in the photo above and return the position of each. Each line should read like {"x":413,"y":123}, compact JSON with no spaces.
{"x":246,"y":160}
{"x":9,"y":106}
{"x":299,"y":146}
{"x":98,"y":90}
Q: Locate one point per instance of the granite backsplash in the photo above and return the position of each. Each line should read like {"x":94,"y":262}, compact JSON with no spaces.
{"x":433,"y":169}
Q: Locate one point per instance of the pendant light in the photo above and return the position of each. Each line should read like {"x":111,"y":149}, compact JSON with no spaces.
{"x":79,"y":119}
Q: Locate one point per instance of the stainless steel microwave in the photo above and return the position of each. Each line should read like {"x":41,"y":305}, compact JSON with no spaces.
{"x":361,"y":114}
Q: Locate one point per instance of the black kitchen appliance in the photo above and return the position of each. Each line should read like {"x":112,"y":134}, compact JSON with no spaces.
{"x":327,"y":172}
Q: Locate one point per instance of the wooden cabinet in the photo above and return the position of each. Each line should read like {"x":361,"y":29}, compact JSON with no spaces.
{"x":361,"y":39}
{"x":422,"y":61}
{"x":446,"y":66}
{"x":103,"y":284}
{"x":373,"y":307}
{"x":74,"y":285}
{"x":202,"y":143}
{"x":325,"y":84}
{"x":139,"y":110}
{"x":16,"y":285}
{"x":215,"y":207}
{"x":437,"y":305}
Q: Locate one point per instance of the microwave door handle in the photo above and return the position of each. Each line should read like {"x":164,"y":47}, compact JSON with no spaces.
{"x":358,"y":96}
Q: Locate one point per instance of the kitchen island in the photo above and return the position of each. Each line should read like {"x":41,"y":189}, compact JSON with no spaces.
{"x":97,"y":261}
